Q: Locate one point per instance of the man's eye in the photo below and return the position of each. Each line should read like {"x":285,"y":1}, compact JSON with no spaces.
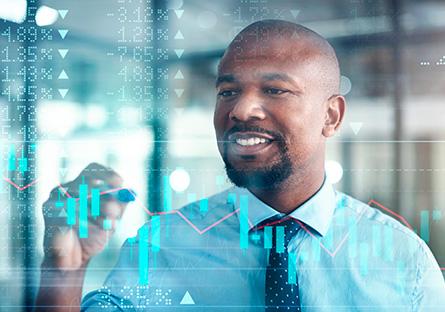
{"x":227,"y":93}
{"x":274,"y":91}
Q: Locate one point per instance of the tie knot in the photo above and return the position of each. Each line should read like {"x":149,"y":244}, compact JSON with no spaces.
{"x":278,"y":231}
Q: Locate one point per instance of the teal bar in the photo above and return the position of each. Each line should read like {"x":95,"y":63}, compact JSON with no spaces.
{"x":280,"y":239}
{"x":143,"y":256}
{"x":328,"y":240}
{"x":352,"y":245}
{"x":23,"y":164}
{"x":292,"y":268}
{"x":268,"y":237}
{"x":204,"y":205}
{"x":376,"y":240}
{"x":231,"y":198}
{"x":244,"y":222}
{"x":255,"y":237}
{"x":107,"y":224}
{"x":167,"y":194}
{"x":437,"y":215}
{"x":83,"y":211}
{"x":156,"y":233}
{"x":316,"y":249}
{"x":71,"y":211}
{"x":389,"y":246}
{"x":95,"y":202}
{"x":364,"y":259}
{"x":425,"y":225}
{"x":11,"y":158}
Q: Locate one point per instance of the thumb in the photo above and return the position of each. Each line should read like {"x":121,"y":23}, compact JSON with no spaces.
{"x":67,"y":251}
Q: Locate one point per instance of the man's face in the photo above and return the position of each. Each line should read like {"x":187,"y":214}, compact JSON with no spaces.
{"x":269,"y":113}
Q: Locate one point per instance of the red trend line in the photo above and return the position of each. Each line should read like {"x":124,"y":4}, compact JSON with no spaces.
{"x":401,"y":218}
{"x":176,"y":211}
{"x":20,"y":188}
{"x":331,"y":253}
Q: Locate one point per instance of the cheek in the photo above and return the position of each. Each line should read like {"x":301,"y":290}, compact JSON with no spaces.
{"x":302,"y":134}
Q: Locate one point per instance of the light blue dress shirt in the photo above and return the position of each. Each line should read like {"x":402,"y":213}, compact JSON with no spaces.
{"x":349,"y":257}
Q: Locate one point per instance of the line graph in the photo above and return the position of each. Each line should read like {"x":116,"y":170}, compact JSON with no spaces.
{"x":227,"y":216}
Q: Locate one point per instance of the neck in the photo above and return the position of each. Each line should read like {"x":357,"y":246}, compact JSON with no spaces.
{"x":293,"y":192}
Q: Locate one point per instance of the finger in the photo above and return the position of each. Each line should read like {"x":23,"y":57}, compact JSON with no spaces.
{"x":106,"y":224}
{"x":112,"y":209}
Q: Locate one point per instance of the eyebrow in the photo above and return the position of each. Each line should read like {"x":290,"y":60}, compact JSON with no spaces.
{"x":228,"y":78}
{"x":278,"y":76}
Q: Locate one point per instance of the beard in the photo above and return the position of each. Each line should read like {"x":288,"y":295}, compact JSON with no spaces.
{"x":265,"y":177}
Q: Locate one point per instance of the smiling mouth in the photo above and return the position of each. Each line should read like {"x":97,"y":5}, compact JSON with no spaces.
{"x":249,"y":143}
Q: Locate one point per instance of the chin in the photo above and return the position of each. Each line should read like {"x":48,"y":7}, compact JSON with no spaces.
{"x":259,"y":177}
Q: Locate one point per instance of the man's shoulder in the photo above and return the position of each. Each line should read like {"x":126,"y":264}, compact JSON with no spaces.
{"x":374,"y":220}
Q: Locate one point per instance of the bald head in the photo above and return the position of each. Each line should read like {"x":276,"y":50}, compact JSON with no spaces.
{"x":290,"y":41}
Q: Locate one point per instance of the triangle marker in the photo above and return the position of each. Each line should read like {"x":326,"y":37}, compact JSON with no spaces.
{"x":62,"y":213}
{"x":63,"y":33}
{"x":295,"y":13}
{"x":63,"y":92}
{"x":179,"y":52}
{"x":179,"y":75}
{"x":63,"y":171}
{"x":356,"y":126}
{"x":63,"y":52}
{"x":179,"y":13}
{"x":187,"y":299}
{"x":179,"y":35}
{"x":63,"y":13}
{"x":63,"y":75}
{"x":179,"y":92}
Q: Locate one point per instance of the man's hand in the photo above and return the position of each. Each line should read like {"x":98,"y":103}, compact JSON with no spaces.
{"x":63,"y":248}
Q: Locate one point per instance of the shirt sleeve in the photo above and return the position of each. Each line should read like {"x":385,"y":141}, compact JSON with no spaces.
{"x":429,"y":293}
{"x":112,"y":296}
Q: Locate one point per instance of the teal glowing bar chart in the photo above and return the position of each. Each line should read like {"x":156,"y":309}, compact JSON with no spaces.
{"x":71,"y":211}
{"x":280,"y":239}
{"x":167,"y":194}
{"x":83,"y":211}
{"x":268,"y":237}
{"x":143,"y":256}
{"x":204,"y":205}
{"x":11,"y":158}
{"x":156,"y":233}
{"x":425,"y":225}
{"x":292,"y":268}
{"x":95,"y":202}
{"x":244,"y":222}
{"x":23,"y":163}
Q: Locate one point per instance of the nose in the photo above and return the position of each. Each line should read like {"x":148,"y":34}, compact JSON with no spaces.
{"x":248,"y":107}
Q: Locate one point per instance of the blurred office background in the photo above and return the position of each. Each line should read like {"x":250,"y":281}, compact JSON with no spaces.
{"x":130,"y":84}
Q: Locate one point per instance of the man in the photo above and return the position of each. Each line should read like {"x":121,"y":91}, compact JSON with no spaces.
{"x":282,"y":238}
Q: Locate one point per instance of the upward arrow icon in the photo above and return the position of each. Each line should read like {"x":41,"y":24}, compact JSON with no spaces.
{"x":187,"y":299}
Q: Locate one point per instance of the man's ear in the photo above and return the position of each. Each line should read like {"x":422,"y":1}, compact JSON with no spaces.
{"x":334,"y":115}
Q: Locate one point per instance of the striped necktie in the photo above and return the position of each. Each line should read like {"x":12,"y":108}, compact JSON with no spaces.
{"x":282,"y":292}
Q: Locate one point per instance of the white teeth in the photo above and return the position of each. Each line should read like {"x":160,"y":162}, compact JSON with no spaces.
{"x":250,"y":141}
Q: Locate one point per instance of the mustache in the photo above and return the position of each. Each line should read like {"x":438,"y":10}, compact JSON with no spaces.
{"x":252,"y":128}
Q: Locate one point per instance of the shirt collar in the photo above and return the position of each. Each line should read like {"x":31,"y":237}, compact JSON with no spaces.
{"x":317,"y":212}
